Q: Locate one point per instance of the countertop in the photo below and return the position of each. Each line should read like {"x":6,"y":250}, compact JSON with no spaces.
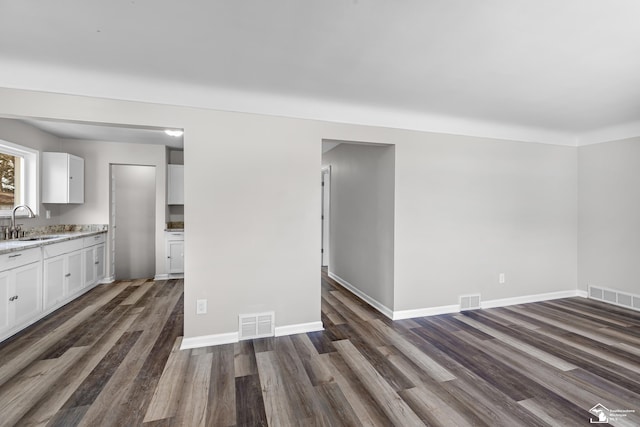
{"x":7,"y":246}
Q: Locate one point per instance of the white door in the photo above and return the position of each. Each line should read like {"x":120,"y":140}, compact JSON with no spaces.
{"x":326,"y":210}
{"x":135,"y":217}
{"x":176,"y":256}
{"x":74,"y":272}
{"x":76,"y":180}
{"x":53,"y":281}
{"x":29,"y":301}
{"x":4,"y":301}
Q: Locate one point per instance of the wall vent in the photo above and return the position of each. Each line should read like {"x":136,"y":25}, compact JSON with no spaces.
{"x":469,"y":302}
{"x":612,"y":296}
{"x":256,"y":325}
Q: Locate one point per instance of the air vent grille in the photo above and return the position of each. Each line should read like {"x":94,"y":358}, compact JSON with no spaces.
{"x":612,"y":296}
{"x":469,"y":302}
{"x":256,"y":325}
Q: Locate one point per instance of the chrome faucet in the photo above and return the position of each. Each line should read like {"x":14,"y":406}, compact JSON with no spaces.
{"x":13,"y":231}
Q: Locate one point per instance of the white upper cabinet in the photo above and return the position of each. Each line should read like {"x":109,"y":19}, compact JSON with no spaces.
{"x":175,"y":180}
{"x":62,"y":178}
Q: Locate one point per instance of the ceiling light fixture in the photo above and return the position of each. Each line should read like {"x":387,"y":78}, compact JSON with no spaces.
{"x":174,"y":132}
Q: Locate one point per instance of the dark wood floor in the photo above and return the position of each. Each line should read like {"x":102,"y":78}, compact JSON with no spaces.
{"x":111,"y":358}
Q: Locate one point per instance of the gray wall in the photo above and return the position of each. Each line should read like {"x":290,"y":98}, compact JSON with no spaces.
{"x":466,"y":209}
{"x":12,"y":130}
{"x":362,"y":208}
{"x":609,"y":215}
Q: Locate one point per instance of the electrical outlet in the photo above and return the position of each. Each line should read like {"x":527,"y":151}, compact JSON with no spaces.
{"x":501,"y":278}
{"x":201,"y":306}
{"x":47,"y":214}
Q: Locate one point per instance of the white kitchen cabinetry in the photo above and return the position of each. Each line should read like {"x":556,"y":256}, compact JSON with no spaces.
{"x":175,"y":184}
{"x":62,"y":178}
{"x":175,"y":252}
{"x":62,"y":272}
{"x":20,"y":288}
{"x":93,"y":256}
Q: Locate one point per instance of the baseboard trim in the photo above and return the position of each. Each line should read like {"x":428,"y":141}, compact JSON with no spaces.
{"x":300,"y":328}
{"x":107,"y":280}
{"x":161,"y":277}
{"x":209,"y":340}
{"x":366,"y":298}
{"x":504,"y":302}
{"x":425,"y":312}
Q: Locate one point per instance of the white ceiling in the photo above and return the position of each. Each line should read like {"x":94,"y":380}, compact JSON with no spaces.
{"x":104,"y":132}
{"x":560,"y":71}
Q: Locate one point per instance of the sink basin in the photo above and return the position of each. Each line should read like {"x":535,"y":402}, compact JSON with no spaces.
{"x":38,"y":238}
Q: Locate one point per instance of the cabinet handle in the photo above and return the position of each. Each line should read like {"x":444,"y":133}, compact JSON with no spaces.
{"x":15,"y":255}
{"x":67,"y":275}
{"x":97,"y":262}
{"x":12,"y":298}
{"x":168,"y":257}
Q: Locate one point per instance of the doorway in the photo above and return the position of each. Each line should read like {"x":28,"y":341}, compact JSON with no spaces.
{"x":133,"y":213}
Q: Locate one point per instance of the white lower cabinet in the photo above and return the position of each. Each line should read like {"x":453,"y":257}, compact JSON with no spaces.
{"x":21,"y":293}
{"x":62,"y":277}
{"x":93,"y":264}
{"x":62,"y":272}
{"x":175,"y":252}
{"x":35,"y":281}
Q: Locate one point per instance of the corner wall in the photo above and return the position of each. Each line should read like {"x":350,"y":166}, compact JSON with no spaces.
{"x":609,"y":215}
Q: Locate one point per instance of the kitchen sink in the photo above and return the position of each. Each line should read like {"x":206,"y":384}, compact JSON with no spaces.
{"x":38,"y":238}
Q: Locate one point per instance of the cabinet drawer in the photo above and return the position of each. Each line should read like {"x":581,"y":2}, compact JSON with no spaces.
{"x":18,"y":258}
{"x":174,"y":235}
{"x":94,"y":240}
{"x":62,"y":248}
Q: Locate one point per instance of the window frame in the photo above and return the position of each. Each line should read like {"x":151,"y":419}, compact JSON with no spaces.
{"x":29,"y":177}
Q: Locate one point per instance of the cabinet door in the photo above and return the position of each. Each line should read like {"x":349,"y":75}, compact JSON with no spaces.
{"x":74,"y":272}
{"x":5,"y":294}
{"x":76,"y":179}
{"x":89,"y":267}
{"x":27,"y":289}
{"x":175,"y":190}
{"x":99,"y":262}
{"x":53,"y":281}
{"x":176,"y":256}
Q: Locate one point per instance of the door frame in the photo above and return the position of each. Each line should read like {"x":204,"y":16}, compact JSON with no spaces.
{"x":325,"y":218}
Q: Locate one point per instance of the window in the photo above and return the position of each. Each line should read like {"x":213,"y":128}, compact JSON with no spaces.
{"x":18,"y":177}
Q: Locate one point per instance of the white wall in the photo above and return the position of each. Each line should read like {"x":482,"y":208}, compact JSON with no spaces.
{"x":362,"y":207}
{"x":466,"y":209}
{"x":14,"y":131}
{"x":609,"y":215}
{"x":98,"y":156}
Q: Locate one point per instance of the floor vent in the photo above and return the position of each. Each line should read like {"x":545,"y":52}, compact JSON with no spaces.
{"x":469,"y":302}
{"x":256,"y":325}
{"x":611,"y":296}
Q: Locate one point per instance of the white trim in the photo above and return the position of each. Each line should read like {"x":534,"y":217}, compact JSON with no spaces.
{"x":366,"y":298}
{"x":582,"y":294}
{"x":209,"y":340}
{"x":425,"y":312}
{"x":107,"y":280}
{"x":161,"y":277}
{"x":503,"y":302}
{"x":300,"y":328}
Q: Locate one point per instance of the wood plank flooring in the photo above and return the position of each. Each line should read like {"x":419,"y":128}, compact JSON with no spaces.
{"x":112,"y":358}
